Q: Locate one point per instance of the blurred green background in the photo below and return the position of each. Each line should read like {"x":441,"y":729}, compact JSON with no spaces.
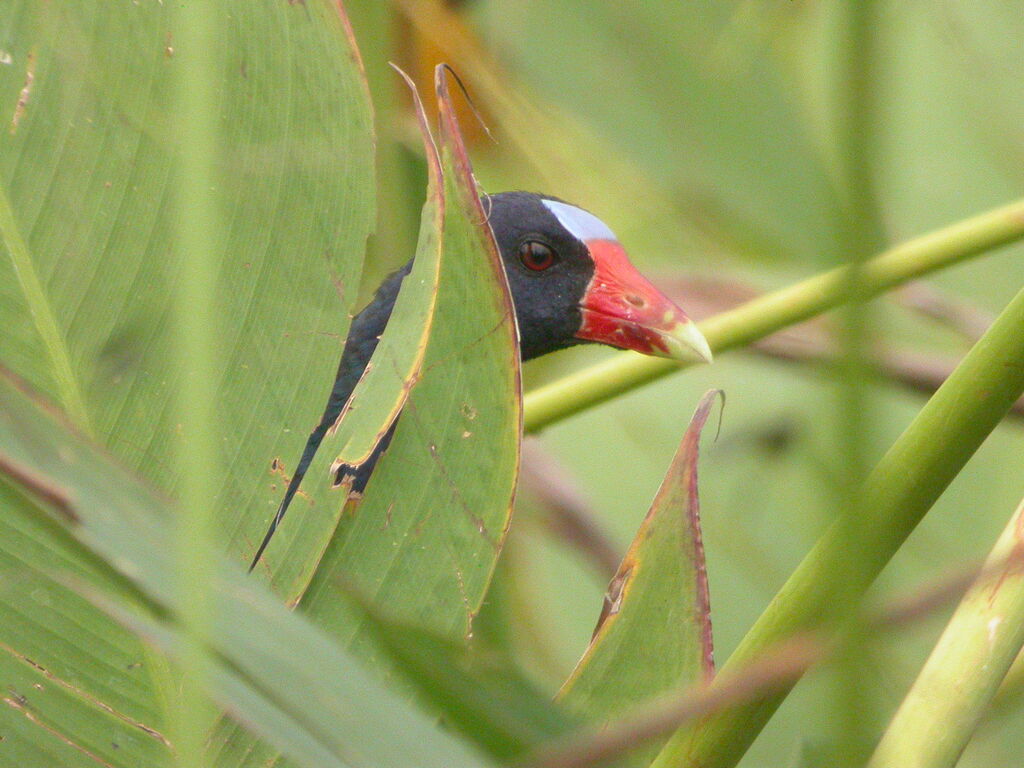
{"x":702,"y":132}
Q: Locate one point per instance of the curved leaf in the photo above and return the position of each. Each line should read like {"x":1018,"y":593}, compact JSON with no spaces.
{"x":424,"y":541}
{"x":654,"y":633}
{"x":396,"y":363}
{"x":382,"y":390}
{"x":267,"y":662}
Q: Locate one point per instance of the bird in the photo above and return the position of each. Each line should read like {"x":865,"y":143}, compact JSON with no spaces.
{"x":571,"y":282}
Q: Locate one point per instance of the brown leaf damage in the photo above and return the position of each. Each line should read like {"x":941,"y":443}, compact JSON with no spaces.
{"x":82,"y":694}
{"x":277,"y":468}
{"x":26,"y":91}
{"x":20,"y":703}
{"x":689,"y":454}
{"x":613,"y":596}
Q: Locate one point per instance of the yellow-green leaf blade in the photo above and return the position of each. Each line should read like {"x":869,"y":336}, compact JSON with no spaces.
{"x":398,"y":359}
{"x":88,"y":172}
{"x":276,"y":653}
{"x":654,"y":634}
{"x":378,"y":396}
{"x":424,"y":541}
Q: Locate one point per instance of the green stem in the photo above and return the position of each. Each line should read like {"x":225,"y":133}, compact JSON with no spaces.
{"x":42,"y":316}
{"x":860,"y":232}
{"x":972,"y":657}
{"x":897,"y":494}
{"x":777,"y":310}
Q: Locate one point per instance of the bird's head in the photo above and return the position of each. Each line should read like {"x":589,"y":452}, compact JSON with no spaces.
{"x":572,"y":282}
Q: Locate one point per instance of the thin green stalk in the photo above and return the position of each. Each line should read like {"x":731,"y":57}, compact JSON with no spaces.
{"x":981,"y":640}
{"x":897,"y":494}
{"x":197,"y":236}
{"x":774,"y":311}
{"x":860,"y":233}
{"x":42,"y":316}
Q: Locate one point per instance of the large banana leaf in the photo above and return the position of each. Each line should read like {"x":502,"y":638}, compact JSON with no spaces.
{"x":268,"y":666}
{"x":86,"y":217}
{"x":87,"y":170}
{"x":384,"y":386}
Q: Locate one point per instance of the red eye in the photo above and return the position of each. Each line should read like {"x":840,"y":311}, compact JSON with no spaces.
{"x":536,"y":255}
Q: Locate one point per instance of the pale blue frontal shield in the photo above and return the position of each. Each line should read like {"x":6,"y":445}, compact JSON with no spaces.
{"x":582,"y":224}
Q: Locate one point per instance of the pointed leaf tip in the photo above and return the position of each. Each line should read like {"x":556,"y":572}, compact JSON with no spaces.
{"x":654,"y":634}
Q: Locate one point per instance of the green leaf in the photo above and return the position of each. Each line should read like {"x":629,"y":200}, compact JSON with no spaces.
{"x":70,"y":665}
{"x":86,"y":165}
{"x":240,"y":696}
{"x":398,"y":360}
{"x":88,"y":173}
{"x":49,"y":716}
{"x":384,"y":387}
{"x":423,"y":543}
{"x":654,"y":633}
{"x":372,"y":407}
{"x":476,"y":689}
{"x":268,"y":663}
